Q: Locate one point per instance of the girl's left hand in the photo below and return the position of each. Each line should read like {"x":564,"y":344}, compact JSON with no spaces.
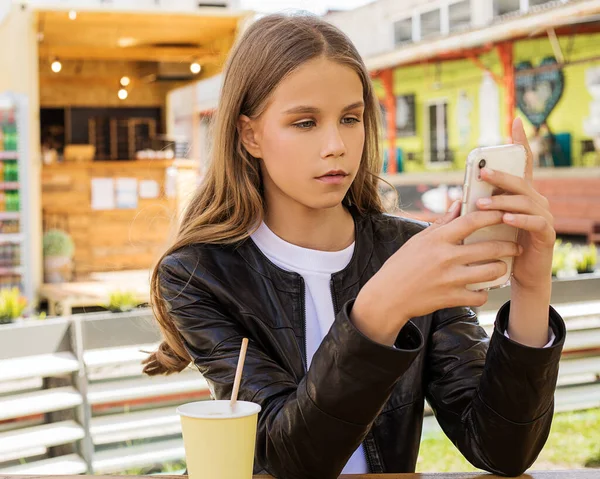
{"x":529,"y":211}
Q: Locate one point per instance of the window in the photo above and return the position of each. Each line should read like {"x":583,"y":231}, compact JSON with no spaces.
{"x":438,"y":152}
{"x":403,"y":31}
{"x":459,"y":15}
{"x":430,"y":23}
{"x":505,"y":7}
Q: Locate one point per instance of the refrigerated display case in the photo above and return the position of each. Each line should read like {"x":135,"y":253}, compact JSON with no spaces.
{"x":15,"y":237}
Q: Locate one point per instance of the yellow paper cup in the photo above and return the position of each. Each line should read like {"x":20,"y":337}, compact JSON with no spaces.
{"x":219,"y":443}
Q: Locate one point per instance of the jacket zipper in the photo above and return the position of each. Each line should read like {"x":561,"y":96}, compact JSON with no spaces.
{"x":367,"y":457}
{"x":335,"y":311}
{"x":305,"y":354}
{"x":333,"y":298}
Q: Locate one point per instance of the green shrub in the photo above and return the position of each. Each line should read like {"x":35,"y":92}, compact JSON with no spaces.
{"x":585,"y":258}
{"x":58,"y":243}
{"x":120,"y":301}
{"x":12,"y":304}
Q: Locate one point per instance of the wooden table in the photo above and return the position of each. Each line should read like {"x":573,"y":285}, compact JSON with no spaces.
{"x":561,"y":474}
{"x":63,"y":297}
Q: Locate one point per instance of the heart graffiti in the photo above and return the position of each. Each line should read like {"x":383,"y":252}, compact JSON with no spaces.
{"x":538,"y":92}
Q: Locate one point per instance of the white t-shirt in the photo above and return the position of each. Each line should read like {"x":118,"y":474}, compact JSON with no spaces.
{"x":316,"y":268}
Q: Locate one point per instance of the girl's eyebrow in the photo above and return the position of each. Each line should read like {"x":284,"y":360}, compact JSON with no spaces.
{"x":305,"y":109}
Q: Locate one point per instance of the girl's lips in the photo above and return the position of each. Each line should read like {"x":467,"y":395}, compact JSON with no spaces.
{"x":332,"y":179}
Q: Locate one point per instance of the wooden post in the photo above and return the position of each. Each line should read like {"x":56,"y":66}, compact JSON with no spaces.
{"x":505,"y":52}
{"x":387,"y":79}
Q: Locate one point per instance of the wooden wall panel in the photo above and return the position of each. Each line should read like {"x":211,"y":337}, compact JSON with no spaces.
{"x":109,"y":240}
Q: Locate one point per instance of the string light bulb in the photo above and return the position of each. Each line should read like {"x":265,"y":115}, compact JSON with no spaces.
{"x":56,"y":66}
{"x":122,"y":94}
{"x":72,"y":15}
{"x":125,"y":81}
{"x":195,"y":68}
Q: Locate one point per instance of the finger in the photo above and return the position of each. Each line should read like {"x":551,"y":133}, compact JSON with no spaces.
{"x":459,"y":229}
{"x":475,"y":298}
{"x":520,"y":138}
{"x":464,"y":297}
{"x":481,"y":273}
{"x":536,"y":224}
{"x":488,"y":251}
{"x":513,"y":204}
{"x":452,"y":213}
{"x":507,"y":182}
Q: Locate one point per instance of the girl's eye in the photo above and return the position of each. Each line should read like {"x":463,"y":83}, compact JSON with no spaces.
{"x":350,"y":120}
{"x":304,"y":125}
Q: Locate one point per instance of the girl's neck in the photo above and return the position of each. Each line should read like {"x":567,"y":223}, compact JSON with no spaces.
{"x":330,"y":229}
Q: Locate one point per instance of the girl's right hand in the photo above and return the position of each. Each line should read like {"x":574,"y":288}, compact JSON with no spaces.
{"x":430,"y":272}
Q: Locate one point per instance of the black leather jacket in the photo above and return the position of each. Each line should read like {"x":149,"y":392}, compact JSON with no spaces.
{"x":493,"y":398}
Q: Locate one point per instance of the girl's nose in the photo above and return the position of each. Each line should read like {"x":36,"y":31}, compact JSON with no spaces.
{"x":334,"y":144}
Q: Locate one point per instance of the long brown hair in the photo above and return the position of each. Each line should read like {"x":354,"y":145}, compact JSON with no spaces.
{"x":229,"y":203}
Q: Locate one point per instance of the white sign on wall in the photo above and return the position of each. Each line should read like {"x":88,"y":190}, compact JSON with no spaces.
{"x":489,"y":112}
{"x":591,"y":124}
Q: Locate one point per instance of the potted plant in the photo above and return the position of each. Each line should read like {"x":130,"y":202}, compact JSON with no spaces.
{"x":586,"y":259}
{"x":58,"y":256}
{"x":12,"y":305}
{"x":121,"y":301}
{"x":560,"y":257}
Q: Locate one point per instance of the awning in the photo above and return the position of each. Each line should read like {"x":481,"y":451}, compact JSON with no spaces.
{"x":533,"y":23}
{"x":142,"y":36}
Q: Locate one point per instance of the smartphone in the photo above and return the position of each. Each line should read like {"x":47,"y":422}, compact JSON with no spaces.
{"x":511,"y":159}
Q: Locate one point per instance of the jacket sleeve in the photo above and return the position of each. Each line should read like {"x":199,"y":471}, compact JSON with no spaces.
{"x":306,"y":429}
{"x":493,"y":398}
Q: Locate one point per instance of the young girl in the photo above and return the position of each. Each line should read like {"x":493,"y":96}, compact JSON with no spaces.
{"x":354,"y":316}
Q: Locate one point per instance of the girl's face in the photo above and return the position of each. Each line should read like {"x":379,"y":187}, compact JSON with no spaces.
{"x":310,"y":137}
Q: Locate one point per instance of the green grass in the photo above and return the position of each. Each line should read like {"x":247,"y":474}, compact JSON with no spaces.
{"x":574,"y":442}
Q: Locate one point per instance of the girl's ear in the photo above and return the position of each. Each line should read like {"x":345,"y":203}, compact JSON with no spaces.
{"x":247,"y":134}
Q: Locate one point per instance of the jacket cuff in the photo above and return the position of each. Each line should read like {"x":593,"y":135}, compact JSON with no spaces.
{"x":367,"y":370}
{"x":396,"y":359}
{"x":521,"y":352}
{"x":519,"y":381}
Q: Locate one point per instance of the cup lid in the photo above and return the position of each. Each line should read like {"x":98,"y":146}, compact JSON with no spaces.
{"x":218,"y":409}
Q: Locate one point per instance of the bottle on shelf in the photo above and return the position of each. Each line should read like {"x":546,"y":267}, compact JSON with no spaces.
{"x":9,"y":131}
{"x":10,"y":171}
{"x":10,"y":201}
{"x":2,"y":114}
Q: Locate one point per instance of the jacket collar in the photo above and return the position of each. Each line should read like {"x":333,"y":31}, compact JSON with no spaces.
{"x":290,"y":282}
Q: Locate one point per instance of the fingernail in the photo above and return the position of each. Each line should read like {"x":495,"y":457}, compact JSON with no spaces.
{"x":488,"y":171}
{"x":484,"y":201}
{"x":508,"y":217}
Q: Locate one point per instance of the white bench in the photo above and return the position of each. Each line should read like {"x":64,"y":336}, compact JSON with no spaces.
{"x":145,"y":387}
{"x":99,"y":358}
{"x":43,"y":365}
{"x":63,"y":465}
{"x":14,"y":444}
{"x":118,"y":460}
{"x":38,"y":402}
{"x":135,"y":425}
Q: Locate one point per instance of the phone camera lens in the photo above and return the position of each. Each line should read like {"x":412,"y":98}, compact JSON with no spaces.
{"x":482,"y":164}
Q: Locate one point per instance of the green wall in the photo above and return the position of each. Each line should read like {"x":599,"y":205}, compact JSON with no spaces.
{"x":455,"y":76}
